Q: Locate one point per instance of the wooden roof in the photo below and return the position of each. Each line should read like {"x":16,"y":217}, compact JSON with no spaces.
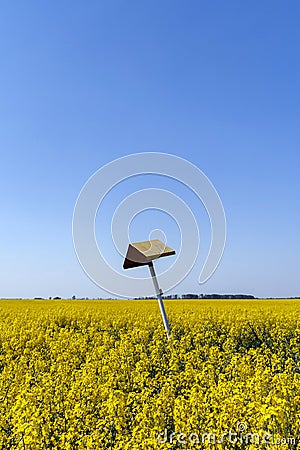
{"x":141,"y":253}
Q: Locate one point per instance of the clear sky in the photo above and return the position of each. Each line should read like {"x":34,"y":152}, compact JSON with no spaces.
{"x":83,"y":83}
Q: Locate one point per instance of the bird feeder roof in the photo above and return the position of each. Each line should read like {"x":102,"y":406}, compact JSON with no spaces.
{"x":141,"y":253}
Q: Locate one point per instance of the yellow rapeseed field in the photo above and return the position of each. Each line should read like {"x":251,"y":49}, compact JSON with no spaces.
{"x":101,"y":375}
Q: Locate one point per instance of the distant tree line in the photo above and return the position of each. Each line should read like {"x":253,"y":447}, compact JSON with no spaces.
{"x":201,"y":296}
{"x":216,"y":296}
{"x":183,"y":296}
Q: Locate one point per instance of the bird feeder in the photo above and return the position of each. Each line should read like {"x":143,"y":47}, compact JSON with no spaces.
{"x":143,"y":253}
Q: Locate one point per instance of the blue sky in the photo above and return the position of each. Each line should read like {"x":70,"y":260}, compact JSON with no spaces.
{"x":83,"y":83}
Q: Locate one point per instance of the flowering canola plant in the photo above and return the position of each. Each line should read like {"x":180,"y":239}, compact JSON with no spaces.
{"x":77,"y":375}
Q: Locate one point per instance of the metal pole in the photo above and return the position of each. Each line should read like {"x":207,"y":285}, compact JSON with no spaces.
{"x":160,"y":301}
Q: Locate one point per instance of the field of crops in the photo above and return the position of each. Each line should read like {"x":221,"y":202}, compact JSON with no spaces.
{"x":102,"y":375}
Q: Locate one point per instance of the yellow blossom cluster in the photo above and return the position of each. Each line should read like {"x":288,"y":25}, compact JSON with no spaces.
{"x":93,"y":375}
